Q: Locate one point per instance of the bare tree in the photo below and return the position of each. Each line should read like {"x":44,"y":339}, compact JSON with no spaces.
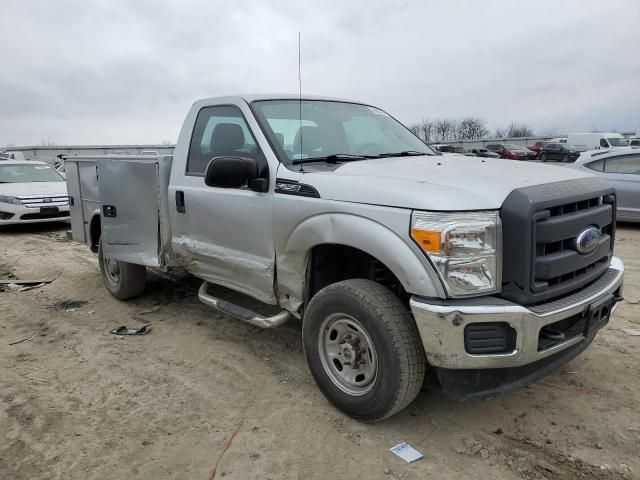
{"x":518,"y":130}
{"x":47,"y":142}
{"x":415,"y":129}
{"x":444,"y":129}
{"x":500,"y":133}
{"x":471,"y":128}
{"x":426,"y":130}
{"x":166,"y":142}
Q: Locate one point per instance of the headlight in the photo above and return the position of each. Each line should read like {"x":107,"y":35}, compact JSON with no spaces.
{"x":465,"y":248}
{"x":11,"y":200}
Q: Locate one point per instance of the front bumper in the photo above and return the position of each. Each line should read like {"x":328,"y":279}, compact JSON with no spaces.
{"x":19,"y":214}
{"x":442,"y":324}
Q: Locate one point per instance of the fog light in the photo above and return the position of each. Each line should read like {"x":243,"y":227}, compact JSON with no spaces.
{"x":6,"y":215}
{"x":489,"y":338}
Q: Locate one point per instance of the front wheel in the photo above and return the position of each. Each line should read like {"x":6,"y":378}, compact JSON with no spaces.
{"x":543,"y":157}
{"x":123,"y":280}
{"x":363,"y":349}
{"x":565,"y":158}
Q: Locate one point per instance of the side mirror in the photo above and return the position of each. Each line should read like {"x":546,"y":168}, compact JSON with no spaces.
{"x":233,"y":172}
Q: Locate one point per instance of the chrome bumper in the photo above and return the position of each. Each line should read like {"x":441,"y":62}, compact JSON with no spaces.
{"x":441,"y":325}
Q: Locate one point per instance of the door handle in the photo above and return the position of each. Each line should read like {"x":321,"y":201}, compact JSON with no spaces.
{"x":180,"y":201}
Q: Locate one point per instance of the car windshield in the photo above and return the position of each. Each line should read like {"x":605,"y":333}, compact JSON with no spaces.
{"x":617,"y":142}
{"x":28,"y":173}
{"x":337,"y":130}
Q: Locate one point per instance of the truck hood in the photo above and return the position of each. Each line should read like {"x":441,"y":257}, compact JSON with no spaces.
{"x":452,"y":182}
{"x":33,"y":188}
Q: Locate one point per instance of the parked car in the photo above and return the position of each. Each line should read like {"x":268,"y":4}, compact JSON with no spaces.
{"x":634,"y":142}
{"x":31,"y":192}
{"x":559,"y":152}
{"x":510,"y":151}
{"x":583,"y":142}
{"x":561,"y":140}
{"x":483,"y":152}
{"x":537,"y":146}
{"x":621,"y":168}
{"x":395,"y":259}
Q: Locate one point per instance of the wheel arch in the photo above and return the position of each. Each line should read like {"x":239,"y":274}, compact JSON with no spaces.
{"x":294,"y":260}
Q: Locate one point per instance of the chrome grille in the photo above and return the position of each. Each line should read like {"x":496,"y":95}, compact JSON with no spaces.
{"x":40,"y":201}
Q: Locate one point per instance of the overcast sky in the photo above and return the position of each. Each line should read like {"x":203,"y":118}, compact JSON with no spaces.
{"x":127,"y":71}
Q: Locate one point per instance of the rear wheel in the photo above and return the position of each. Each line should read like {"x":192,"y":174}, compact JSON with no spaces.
{"x":543,"y":157}
{"x":363,"y":349}
{"x":123,"y":280}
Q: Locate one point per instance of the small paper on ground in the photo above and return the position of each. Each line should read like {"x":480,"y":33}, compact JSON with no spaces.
{"x":632,"y":332}
{"x":407,"y":452}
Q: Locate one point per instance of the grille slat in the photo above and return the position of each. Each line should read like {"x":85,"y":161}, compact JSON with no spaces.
{"x":558,"y":265}
{"x":39,"y":201}
{"x":540,"y":226}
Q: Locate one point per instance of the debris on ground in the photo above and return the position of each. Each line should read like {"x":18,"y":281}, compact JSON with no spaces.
{"x":69,"y":305}
{"x":224,"y":450}
{"x":124,"y":330}
{"x":16,"y":285}
{"x":632,"y":332}
{"x":149,"y":310}
{"x":24,"y":340}
{"x":407,"y":452}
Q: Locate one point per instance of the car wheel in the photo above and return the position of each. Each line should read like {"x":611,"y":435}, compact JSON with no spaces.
{"x":363,"y":349}
{"x":543,"y":157}
{"x":565,"y":158}
{"x":123,"y":280}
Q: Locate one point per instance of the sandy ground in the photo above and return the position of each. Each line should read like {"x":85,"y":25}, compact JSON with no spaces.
{"x":79,"y":403}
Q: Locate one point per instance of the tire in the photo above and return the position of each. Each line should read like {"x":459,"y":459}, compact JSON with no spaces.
{"x":365,"y":322}
{"x":123,"y":280}
{"x":565,"y":158}
{"x":543,"y":157}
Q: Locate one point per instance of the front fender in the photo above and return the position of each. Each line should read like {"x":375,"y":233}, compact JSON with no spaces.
{"x":415,"y":273}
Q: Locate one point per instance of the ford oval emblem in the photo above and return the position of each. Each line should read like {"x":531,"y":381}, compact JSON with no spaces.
{"x":587,"y":240}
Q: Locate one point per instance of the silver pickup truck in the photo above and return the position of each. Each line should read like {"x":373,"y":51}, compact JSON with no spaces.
{"x":488,"y":273}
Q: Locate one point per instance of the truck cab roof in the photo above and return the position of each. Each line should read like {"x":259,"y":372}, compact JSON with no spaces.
{"x":253,"y":97}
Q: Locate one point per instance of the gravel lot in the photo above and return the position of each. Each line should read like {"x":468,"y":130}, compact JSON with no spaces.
{"x":79,"y":403}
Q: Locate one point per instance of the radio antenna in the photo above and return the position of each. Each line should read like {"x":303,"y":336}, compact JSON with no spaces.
{"x":300,"y":99}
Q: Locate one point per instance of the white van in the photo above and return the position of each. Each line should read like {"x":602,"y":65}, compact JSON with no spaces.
{"x":595,"y":141}
{"x":12,"y":155}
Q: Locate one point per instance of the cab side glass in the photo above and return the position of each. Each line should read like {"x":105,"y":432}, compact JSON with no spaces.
{"x":629,"y":164}
{"x":220,"y":131}
{"x":603,"y":143}
{"x":598,"y":165}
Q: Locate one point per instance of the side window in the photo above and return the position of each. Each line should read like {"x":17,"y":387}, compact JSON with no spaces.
{"x":597,"y":165}
{"x":219,"y":131}
{"x":603,"y":143}
{"x":627,"y":164}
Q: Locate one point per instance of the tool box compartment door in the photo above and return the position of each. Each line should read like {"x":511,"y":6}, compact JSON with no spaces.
{"x":129,"y":191}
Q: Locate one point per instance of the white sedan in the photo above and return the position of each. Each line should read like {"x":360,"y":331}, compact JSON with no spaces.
{"x":31,"y":192}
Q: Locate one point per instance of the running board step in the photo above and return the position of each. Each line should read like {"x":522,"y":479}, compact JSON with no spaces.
{"x":241,"y":313}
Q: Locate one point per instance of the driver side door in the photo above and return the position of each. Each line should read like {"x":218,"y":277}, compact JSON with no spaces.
{"x":224,"y":235}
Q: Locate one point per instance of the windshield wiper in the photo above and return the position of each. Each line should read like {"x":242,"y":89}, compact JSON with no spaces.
{"x":406,"y":153}
{"x":334,"y":158}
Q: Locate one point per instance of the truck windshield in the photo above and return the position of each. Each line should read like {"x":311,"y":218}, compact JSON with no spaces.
{"x":28,"y":173}
{"x":335,"y":130}
{"x":617,"y":142}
